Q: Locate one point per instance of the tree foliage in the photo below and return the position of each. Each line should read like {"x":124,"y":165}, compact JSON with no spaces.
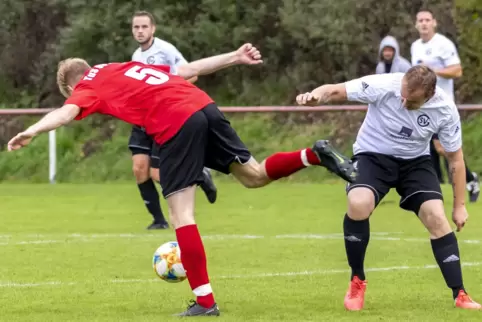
{"x":304,"y":42}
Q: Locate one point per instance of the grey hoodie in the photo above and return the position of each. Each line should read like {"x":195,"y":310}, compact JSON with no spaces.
{"x":399,"y":64}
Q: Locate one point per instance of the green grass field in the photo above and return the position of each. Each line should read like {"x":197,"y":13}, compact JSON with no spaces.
{"x":81,"y":253}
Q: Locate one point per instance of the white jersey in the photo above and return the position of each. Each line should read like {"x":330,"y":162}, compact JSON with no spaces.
{"x":160,"y":53}
{"x":391,"y":129}
{"x":437,"y":53}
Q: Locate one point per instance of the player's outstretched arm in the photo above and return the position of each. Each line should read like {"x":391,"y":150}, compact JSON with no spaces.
{"x":51,"y":121}
{"x":247,"y":54}
{"x":331,"y":93}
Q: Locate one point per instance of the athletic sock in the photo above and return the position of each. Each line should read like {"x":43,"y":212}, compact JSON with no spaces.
{"x":283,"y":164}
{"x":447,"y":255}
{"x":357,"y":236}
{"x":194,"y":262}
{"x":151,"y":199}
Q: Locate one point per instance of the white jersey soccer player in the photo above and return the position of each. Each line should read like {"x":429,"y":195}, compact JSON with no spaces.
{"x":439,"y":53}
{"x":392,"y":151}
{"x":160,"y":52}
{"x":393,"y":130}
{"x":145,"y":160}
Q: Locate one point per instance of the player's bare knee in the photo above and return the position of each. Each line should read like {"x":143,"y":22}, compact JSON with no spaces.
{"x":251,"y":175}
{"x":181,"y":207}
{"x":140,"y":167}
{"x":154,"y":172}
{"x":361,"y":203}
{"x":432,"y":215}
{"x":141,"y":172}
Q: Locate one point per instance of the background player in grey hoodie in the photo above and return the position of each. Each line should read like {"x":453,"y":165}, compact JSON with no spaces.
{"x":389,"y":59}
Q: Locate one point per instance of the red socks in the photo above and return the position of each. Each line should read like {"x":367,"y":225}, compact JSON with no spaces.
{"x":194,"y":261}
{"x":283,"y":164}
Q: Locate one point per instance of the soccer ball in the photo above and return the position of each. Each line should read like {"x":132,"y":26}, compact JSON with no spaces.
{"x":167,"y":263}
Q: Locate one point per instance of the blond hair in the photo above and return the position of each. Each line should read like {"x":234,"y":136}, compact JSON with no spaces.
{"x":69,"y":73}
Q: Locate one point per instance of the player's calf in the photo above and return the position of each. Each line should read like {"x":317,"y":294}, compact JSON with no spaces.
{"x":181,"y":210}
{"x":148,"y":190}
{"x":445,"y":249}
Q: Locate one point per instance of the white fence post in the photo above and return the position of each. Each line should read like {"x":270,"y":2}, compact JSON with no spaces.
{"x":52,"y":156}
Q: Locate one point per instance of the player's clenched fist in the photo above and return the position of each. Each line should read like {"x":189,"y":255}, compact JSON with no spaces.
{"x":308,"y":99}
{"x":249,"y":55}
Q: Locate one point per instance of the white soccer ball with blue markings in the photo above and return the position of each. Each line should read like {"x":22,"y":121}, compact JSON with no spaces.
{"x":167,"y":263}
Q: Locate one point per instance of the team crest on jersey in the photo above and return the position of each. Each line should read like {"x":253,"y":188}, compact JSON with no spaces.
{"x":423,"y":120}
{"x":151,"y":60}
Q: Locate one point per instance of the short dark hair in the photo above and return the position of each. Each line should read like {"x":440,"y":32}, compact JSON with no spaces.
{"x":426,"y":10}
{"x":421,"y":77}
{"x":145,"y":14}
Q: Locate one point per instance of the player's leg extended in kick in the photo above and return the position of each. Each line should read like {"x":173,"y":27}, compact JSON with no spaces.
{"x":279,"y":165}
{"x":181,"y":214}
{"x":446,"y":251}
{"x":148,"y":190}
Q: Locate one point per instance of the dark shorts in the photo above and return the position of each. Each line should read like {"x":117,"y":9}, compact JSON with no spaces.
{"x":141,"y":143}
{"x":205,"y":140}
{"x":414,"y":179}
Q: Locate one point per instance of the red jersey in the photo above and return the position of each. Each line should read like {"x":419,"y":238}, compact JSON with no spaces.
{"x":139,"y":94}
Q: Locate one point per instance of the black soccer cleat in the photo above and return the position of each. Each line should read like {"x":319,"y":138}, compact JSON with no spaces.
{"x":158,"y":225}
{"x":209,"y":187}
{"x":334,"y":161}
{"x":194,"y":309}
{"x":473,"y":188}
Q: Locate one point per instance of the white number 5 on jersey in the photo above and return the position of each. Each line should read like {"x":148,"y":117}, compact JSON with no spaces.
{"x":154,"y":77}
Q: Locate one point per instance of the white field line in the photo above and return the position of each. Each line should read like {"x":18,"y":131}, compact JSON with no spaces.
{"x":79,"y":238}
{"x":263,"y":275}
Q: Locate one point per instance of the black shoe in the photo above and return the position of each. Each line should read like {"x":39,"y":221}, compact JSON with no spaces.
{"x":334,"y":161}
{"x":208,"y":186}
{"x":473,"y":188}
{"x":194,"y":309}
{"x":158,"y":225}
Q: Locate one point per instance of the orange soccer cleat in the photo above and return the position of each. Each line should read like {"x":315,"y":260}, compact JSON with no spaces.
{"x":355,"y":296}
{"x":464,"y":301}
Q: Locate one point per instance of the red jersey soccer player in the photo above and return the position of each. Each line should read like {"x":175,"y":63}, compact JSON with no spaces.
{"x":192,"y":133}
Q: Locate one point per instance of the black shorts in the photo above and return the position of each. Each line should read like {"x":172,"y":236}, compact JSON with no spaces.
{"x":205,"y":140}
{"x":414,"y":179}
{"x":141,"y":143}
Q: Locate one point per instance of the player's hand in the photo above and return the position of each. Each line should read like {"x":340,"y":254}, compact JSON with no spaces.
{"x":460,"y":217}
{"x":20,"y":140}
{"x":308,"y":99}
{"x":247,"y":54}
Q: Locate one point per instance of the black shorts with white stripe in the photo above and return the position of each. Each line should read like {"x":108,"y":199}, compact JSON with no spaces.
{"x":414,"y":179}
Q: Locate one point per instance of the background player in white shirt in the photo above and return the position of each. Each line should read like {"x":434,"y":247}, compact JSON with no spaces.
{"x":154,"y":51}
{"x":392,"y":151}
{"x":438,"y":52}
